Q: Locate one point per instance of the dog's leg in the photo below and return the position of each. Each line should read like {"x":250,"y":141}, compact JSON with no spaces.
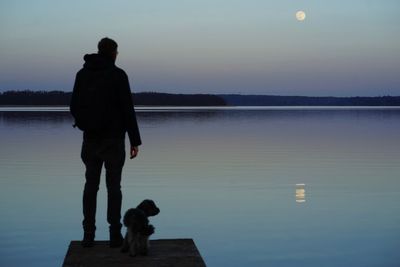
{"x":142,"y":245}
{"x":133,"y":245}
{"x":125,"y":245}
{"x":132,"y":250}
{"x":146,"y":245}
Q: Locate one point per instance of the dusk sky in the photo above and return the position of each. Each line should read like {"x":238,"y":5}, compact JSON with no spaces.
{"x":342,"y":48}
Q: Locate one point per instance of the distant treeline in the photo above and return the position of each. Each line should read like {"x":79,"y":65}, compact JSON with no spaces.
{"x":60,"y":98}
{"x":266,"y":100}
{"x":163,"y":99}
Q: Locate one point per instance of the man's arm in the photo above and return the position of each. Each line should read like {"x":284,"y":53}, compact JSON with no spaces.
{"x":134,"y":151}
{"x":73,"y":102}
{"x":129,"y":116}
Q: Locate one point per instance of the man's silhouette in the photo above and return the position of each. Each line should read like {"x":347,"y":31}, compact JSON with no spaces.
{"x":105,"y":146}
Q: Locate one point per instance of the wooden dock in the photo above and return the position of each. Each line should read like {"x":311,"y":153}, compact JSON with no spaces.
{"x":162,"y":253}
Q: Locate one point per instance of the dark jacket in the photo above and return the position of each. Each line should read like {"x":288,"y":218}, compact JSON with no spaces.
{"x":122,"y":113}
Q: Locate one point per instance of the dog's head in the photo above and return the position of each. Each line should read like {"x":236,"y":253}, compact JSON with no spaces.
{"x":148,"y":207}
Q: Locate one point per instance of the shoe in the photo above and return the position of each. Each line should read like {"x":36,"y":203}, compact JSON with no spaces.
{"x":88,"y":240}
{"x":116,"y":240}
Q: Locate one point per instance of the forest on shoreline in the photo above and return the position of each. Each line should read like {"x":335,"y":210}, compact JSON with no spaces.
{"x":61,"y":98}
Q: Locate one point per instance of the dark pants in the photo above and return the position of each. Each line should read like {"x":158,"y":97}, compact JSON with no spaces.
{"x":95,"y":153}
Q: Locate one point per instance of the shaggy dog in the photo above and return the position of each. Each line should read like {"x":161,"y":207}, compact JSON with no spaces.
{"x":138,"y":228}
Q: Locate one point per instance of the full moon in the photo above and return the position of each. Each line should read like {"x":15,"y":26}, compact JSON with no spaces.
{"x":300,"y":15}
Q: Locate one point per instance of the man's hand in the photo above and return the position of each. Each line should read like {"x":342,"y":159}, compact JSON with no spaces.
{"x":134,"y":151}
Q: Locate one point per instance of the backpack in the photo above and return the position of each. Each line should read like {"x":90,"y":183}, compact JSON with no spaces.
{"x":90,"y":102}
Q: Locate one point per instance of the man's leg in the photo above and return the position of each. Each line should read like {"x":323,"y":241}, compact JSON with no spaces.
{"x":113,"y":163}
{"x":93,"y":166}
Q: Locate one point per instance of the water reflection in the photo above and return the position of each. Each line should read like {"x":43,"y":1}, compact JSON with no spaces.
{"x":10,"y":118}
{"x":225,"y":171}
{"x":19,"y":115}
{"x":300,"y":193}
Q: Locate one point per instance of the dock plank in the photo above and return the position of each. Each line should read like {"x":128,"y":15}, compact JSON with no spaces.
{"x":162,"y":253}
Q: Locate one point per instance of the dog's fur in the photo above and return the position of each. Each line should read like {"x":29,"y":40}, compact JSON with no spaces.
{"x":138,"y":228}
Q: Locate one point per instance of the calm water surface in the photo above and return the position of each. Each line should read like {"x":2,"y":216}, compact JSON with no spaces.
{"x":274,"y":187}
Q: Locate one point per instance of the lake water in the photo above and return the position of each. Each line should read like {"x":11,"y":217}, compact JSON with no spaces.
{"x":258,"y":187}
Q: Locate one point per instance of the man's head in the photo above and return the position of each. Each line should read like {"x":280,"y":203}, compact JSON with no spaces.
{"x":108,"y":48}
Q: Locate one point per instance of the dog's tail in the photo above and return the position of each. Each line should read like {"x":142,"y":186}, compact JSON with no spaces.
{"x":129,"y":214}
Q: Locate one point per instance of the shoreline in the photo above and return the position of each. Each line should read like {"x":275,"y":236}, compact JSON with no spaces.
{"x":27,"y":108}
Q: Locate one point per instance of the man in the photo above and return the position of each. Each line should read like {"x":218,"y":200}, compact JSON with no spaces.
{"x":105,"y":144}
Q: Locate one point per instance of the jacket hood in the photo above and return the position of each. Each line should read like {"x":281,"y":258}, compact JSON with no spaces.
{"x":97,"y":62}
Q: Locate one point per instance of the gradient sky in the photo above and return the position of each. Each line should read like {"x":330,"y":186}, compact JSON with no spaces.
{"x":343,"y":48}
